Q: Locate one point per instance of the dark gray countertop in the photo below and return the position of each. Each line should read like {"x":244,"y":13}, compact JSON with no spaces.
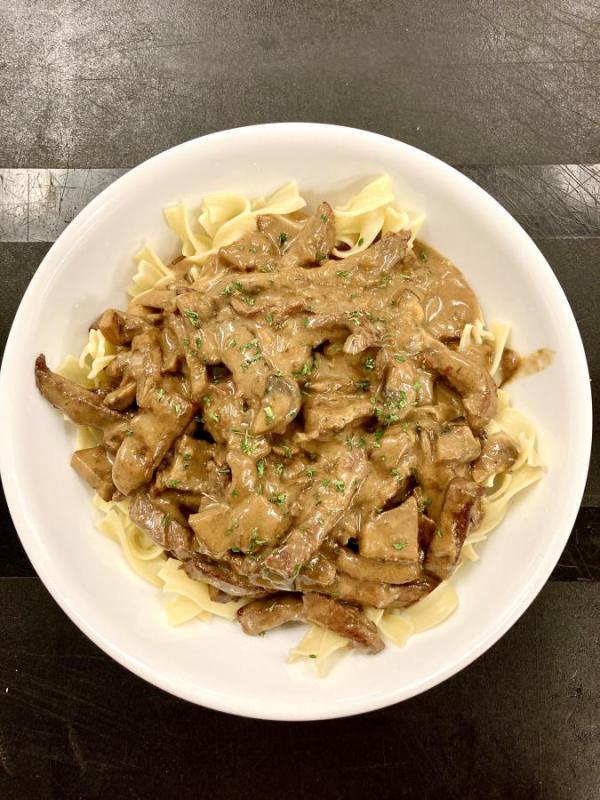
{"x":507,"y":91}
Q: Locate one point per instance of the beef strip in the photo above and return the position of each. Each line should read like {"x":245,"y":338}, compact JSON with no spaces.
{"x":315,"y":240}
{"x":393,"y":535}
{"x":498,"y":454}
{"x":370,"y":569}
{"x":119,"y":327}
{"x":163,"y":523}
{"x":150,"y":436}
{"x":82,"y":406}
{"x":342,"y":619}
{"x":270,"y":612}
{"x":95,"y":467}
{"x":221,"y":576}
{"x":461,"y":506}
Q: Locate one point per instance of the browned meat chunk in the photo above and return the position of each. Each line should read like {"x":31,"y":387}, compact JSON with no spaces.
{"x":370,"y":569}
{"x":95,"y":468}
{"x":82,"y":406}
{"x":247,"y":527}
{"x":393,"y":535}
{"x":191,"y":468}
{"x":319,"y":518}
{"x":120,"y":399}
{"x":118,"y":327}
{"x":333,"y":413}
{"x":314,"y":242}
{"x":163,"y":523}
{"x":343,"y":620}
{"x":221,"y":576}
{"x":457,"y":444}
{"x":471,"y":381}
{"x":461,"y":506}
{"x":498,"y":454}
{"x":151,"y":435}
{"x":254,"y":251}
{"x":270,"y":612}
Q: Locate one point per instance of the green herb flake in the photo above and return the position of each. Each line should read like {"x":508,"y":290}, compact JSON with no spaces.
{"x":324,"y":218}
{"x":319,"y":256}
{"x":362,"y":385}
{"x":173,"y":484}
{"x":269,"y":415}
{"x":312,"y":655}
{"x":360,"y":242}
{"x":370,"y":363}
{"x":193,"y":317}
{"x":399,"y":358}
{"x":400,"y":545}
{"x":165,"y":520}
{"x":423,"y":256}
{"x":306,"y":322}
{"x":235,"y":549}
{"x":339,"y":486}
{"x":128,"y":432}
{"x":342,"y":273}
{"x":186,"y":342}
{"x":439,"y":532}
{"x":160,"y":394}
{"x":278,"y":499}
{"x":287,"y":450}
{"x":416,"y":386}
{"x":282,"y":238}
{"x":279,"y":468}
{"x":234,"y":492}
{"x":260,"y":467}
{"x":214,"y":416}
{"x":310,"y":472}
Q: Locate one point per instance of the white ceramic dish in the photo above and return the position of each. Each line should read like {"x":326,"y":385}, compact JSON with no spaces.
{"x":88,"y":269}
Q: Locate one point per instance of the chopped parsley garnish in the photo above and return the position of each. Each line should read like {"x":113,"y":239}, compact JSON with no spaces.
{"x":400,"y":545}
{"x":310,"y":472}
{"x":439,"y":532}
{"x":235,"y":549}
{"x":279,"y":468}
{"x":256,"y":541}
{"x":186,"y":342}
{"x":269,"y":318}
{"x":278,"y":499}
{"x":324,"y":218}
{"x":128,"y":432}
{"x":187,"y":459}
{"x":306,"y":322}
{"x":354,"y":316}
{"x":399,"y":358}
{"x":177,"y":408}
{"x":260,"y":467}
{"x":287,"y":450}
{"x":339,"y":486}
{"x":207,"y":401}
{"x":416,"y":386}
{"x":198,"y":342}
{"x":319,"y":256}
{"x":325,"y":483}
{"x":214,"y":416}
{"x":360,"y":242}
{"x":423,"y":255}
{"x":173,"y":484}
{"x":246,"y":445}
{"x":165,"y":520}
{"x":193,"y":317}
{"x":342,"y":273}
{"x":234,"y":492}
{"x":396,"y":474}
{"x":160,"y":394}
{"x":269,"y":415}
{"x":282,"y":238}
{"x":362,"y":385}
{"x":370,"y":363}
{"x":312,"y":655}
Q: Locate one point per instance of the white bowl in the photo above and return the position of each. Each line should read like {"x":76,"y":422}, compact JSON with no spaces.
{"x":88,"y":269}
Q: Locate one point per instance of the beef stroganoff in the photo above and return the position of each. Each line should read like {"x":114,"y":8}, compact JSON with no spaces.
{"x":299,"y":419}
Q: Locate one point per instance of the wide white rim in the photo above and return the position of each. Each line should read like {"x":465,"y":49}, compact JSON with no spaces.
{"x":203,"y":695}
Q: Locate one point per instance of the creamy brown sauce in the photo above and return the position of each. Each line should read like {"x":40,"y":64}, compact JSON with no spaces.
{"x":299,"y":428}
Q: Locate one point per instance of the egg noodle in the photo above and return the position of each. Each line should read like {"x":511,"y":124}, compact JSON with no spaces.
{"x":223,"y":218}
